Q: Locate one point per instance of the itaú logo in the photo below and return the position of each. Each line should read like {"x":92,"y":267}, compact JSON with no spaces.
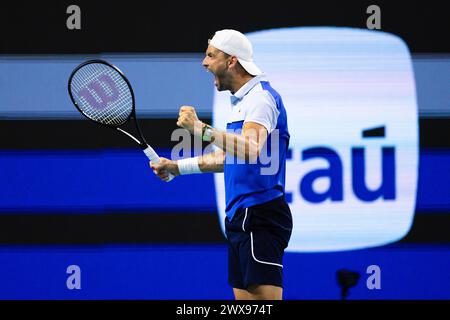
{"x":352,"y":164}
{"x":332,"y":173}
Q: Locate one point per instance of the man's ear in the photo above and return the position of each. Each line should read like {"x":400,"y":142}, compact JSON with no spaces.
{"x":233,"y":62}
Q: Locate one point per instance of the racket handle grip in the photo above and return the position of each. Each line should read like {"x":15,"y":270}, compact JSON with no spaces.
{"x":154,"y":158}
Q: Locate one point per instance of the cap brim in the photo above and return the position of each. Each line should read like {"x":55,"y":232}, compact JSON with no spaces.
{"x":250,"y":67}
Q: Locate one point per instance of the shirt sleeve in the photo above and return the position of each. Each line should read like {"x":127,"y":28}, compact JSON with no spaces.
{"x":262,"y":109}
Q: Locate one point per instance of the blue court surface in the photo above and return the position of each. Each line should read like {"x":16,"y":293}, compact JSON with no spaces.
{"x":200,"y":272}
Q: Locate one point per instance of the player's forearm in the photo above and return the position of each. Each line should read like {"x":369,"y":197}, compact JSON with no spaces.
{"x":242,"y":146}
{"x":212,"y":162}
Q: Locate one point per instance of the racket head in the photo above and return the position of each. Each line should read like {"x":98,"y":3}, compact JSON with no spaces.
{"x":101,"y":92}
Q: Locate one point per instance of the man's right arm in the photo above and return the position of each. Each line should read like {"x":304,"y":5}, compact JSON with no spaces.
{"x":211,"y":162}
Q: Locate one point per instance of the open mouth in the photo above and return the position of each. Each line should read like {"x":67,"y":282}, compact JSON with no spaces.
{"x":216,"y":79}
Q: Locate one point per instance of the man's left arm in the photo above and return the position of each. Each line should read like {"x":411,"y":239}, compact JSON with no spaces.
{"x":246,"y":145}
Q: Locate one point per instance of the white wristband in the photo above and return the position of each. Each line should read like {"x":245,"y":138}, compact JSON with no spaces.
{"x":188,"y":166}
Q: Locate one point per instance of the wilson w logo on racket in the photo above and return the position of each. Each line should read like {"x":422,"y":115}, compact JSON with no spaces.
{"x":102,"y":93}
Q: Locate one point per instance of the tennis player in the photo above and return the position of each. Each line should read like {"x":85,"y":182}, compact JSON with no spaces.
{"x":258,"y":223}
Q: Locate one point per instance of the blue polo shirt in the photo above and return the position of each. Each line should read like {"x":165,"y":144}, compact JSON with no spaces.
{"x":249,"y":184}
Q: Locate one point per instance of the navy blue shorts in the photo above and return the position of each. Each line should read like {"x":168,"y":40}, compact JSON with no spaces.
{"x":257,"y":237}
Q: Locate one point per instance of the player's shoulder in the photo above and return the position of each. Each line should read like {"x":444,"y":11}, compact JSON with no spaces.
{"x":269,"y":90}
{"x":261,"y":95}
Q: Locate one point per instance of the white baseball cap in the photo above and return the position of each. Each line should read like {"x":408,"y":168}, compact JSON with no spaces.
{"x":236,"y":44}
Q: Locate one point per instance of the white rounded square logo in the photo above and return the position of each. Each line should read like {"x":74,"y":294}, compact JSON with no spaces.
{"x":351,"y":176}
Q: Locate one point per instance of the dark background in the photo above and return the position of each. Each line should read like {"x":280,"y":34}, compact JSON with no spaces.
{"x":184,"y":26}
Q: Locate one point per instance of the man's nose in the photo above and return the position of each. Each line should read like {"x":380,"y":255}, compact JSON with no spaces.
{"x":205,"y":64}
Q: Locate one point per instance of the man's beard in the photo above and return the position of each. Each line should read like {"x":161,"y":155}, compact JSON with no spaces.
{"x":222,"y":83}
{"x":221,"y":80}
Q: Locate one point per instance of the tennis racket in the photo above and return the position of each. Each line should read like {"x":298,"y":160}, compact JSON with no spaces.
{"x":102,"y":93}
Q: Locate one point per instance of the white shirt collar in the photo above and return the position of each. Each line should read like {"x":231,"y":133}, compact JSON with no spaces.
{"x":238,"y":95}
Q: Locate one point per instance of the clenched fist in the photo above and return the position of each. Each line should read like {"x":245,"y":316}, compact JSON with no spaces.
{"x":187,"y":119}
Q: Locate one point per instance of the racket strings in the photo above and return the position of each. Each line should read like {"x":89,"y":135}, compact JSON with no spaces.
{"x":102,"y":94}
{"x":113,"y":114}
